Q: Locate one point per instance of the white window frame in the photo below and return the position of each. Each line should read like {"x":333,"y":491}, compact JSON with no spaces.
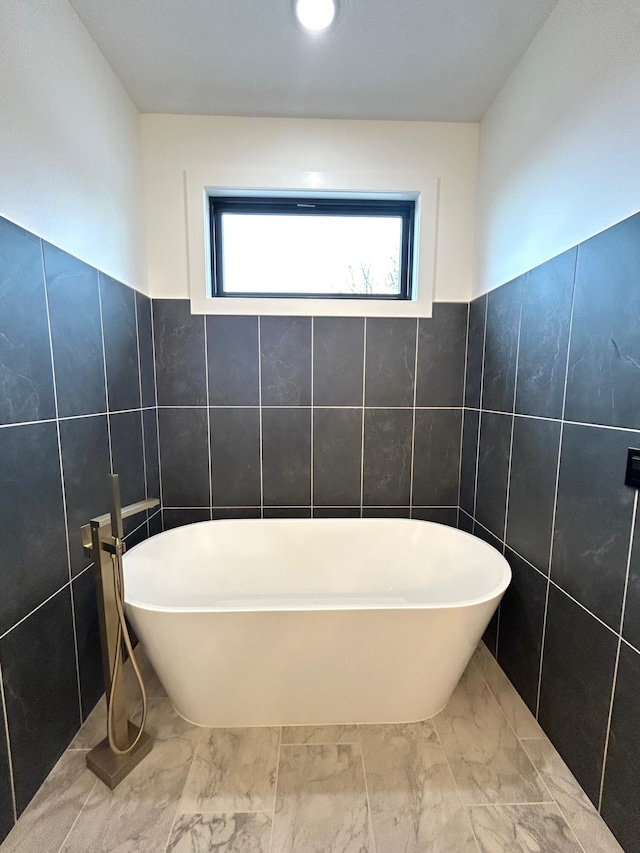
{"x":398,"y":184}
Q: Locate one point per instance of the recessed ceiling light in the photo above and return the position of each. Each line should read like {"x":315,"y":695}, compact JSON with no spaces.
{"x":315,"y":15}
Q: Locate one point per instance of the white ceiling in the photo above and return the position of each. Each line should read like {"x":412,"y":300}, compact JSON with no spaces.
{"x":432,"y":60}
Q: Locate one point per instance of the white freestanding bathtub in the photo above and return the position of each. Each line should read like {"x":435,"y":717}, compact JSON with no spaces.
{"x":296,"y":622}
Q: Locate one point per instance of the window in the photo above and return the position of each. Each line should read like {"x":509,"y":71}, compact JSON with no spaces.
{"x":322,"y":248}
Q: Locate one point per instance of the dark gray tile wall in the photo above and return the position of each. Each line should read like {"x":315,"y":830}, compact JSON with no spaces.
{"x":330,"y":416}
{"x":553,"y":402}
{"x":71,"y":339}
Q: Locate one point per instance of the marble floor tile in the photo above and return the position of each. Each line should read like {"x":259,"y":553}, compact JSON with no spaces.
{"x":513,"y":706}
{"x":221,"y":833}
{"x":320,"y":734}
{"x":415,"y":804}
{"x":46,"y":821}
{"x":138,"y":815}
{"x":486,"y":758}
{"x":94,"y":728}
{"x":321,"y":803}
{"x":234,"y":771}
{"x":523,"y":828}
{"x":580,"y":813}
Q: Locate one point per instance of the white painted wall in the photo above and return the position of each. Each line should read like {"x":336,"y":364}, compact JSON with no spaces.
{"x":560,"y":147}
{"x":177,"y":145}
{"x":69,"y":140}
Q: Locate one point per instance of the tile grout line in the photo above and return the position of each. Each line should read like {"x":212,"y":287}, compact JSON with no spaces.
{"x":62,"y":479}
{"x":82,"y":807}
{"x":510,"y":464}
{"x":557,"y":488}
{"x":144,"y":453}
{"x":484,"y":343}
{"x":186,"y":779}
{"x":209,"y":435}
{"x":364,"y":391}
{"x":275,"y":791}
{"x":461,"y":801}
{"x":464,"y":393}
{"x":155,"y":386}
{"x":260,"y":416}
{"x":8,"y":739}
{"x":413,"y":418}
{"x":617,"y":663}
{"x":106,"y":381}
{"x":366,"y":791}
{"x":311,"y":442}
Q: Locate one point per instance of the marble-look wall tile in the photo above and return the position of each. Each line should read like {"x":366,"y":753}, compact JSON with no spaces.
{"x":85,"y":465}
{"x":128,"y":459}
{"x":286,"y":456}
{"x":76,"y":333}
{"x":532,"y":488}
{"x":387,"y":457}
{"x":90,"y":670}
{"x":520,"y":718}
{"x":286,"y":512}
{"x":465,"y":522}
{"x":120,"y":344}
{"x":544,"y":336}
{"x":232,"y":353}
{"x":224,"y":833}
{"x":6,"y":796}
{"x":621,"y":792}
{"x":604,"y":386}
{"x":493,"y":471}
{"x":139,"y":813}
{"x":184,"y":457}
{"x":439,"y":514}
{"x":51,"y":814}
{"x":336,"y":512}
{"x":470,"y":424}
{"x":522,"y":829}
{"x":390,"y":361}
{"x":338,"y":355}
{"x":631,"y":625}
{"x":501,"y":347}
{"x":222,"y":513}
{"x":442,"y":344}
{"x":285,"y":344}
{"x":436,"y":461}
{"x":234,"y":771}
{"x":178,"y":517}
{"x":415,"y":805}
{"x":577,"y":676}
{"x":321,"y":802}
{"x":145,"y":343}
{"x":42,"y":712}
{"x":593,"y":519}
{"x":337,"y":450}
{"x":581,"y":815}
{"x":26,"y":378}
{"x":151,"y":461}
{"x":33,"y":549}
{"x":386,"y":512}
{"x":475,"y":352}
{"x":235,"y":457}
{"x":180,"y":354}
{"x":522,"y":612}
{"x":486,"y":758}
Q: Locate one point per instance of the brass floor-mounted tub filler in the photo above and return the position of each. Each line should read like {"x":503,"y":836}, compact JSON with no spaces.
{"x":103,"y":540}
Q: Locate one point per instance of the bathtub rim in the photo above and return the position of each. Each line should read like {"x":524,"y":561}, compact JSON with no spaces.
{"x":496,"y":593}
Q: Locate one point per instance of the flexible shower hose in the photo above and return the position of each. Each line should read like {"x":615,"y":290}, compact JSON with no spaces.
{"x":123,"y":634}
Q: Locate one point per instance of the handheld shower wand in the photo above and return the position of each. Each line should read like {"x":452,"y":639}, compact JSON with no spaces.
{"x":126,"y":744}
